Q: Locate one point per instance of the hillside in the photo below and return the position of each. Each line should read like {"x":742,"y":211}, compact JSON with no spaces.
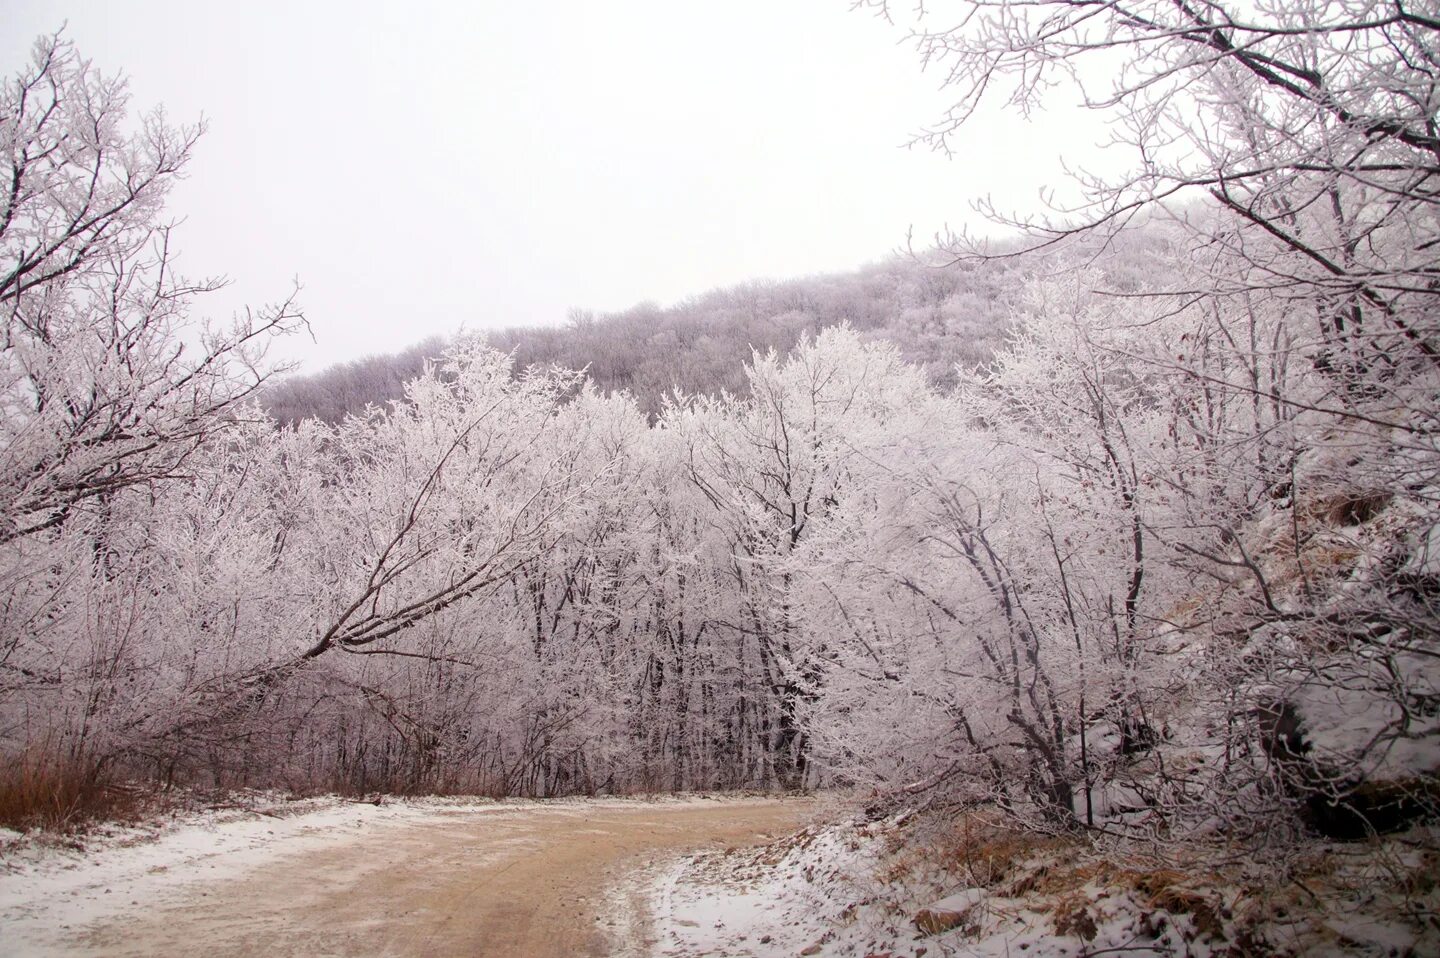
{"x":940,"y":316}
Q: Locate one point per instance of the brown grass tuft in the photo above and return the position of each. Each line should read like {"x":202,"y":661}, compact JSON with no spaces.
{"x":1071,"y":917}
{"x":40,"y":789}
{"x":988,"y":855}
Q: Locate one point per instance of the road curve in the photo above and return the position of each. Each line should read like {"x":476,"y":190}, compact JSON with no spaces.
{"x":529,"y":881}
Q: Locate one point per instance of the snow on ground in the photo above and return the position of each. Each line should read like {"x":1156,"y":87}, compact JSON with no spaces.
{"x":924,"y":885}
{"x":754,"y":902}
{"x":48,"y":883}
{"x":888,"y":889}
{"x":53,"y":885}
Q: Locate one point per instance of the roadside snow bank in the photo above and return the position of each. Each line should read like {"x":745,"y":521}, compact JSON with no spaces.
{"x":966,"y":885}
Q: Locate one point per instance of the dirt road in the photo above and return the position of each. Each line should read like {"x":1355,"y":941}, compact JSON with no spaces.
{"x":517,"y":882}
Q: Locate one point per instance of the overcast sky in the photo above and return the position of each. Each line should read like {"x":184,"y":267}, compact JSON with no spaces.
{"x":426,"y":166}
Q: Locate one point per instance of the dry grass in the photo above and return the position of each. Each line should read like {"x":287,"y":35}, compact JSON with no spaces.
{"x":1234,"y":900}
{"x":987,"y":854}
{"x":1072,"y":917}
{"x":42,"y":789}
{"x":1061,"y":875}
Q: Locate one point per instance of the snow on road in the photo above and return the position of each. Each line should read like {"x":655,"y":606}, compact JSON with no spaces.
{"x":431,"y":877}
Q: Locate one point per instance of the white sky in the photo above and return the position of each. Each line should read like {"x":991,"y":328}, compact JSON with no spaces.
{"x":422,"y":166}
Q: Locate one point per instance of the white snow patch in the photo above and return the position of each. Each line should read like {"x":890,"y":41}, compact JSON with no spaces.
{"x":836,"y":891}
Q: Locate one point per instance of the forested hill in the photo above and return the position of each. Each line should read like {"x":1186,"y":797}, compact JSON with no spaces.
{"x":939,"y":316}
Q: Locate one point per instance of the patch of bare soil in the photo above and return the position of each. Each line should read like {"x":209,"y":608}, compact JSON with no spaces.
{"x":529,"y":882}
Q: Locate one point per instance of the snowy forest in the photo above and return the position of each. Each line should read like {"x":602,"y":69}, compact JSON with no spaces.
{"x":1156,"y":553}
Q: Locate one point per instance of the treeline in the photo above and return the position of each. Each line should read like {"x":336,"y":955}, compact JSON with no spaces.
{"x":1098,"y":584}
{"x":943,"y":318}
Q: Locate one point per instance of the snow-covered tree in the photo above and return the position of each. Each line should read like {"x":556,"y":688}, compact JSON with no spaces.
{"x":107,"y":381}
